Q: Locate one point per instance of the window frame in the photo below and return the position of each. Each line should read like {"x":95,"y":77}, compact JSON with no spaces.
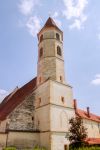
{"x":41,"y":37}
{"x":41,"y":52}
{"x":58,"y":36}
{"x":59,"y":52}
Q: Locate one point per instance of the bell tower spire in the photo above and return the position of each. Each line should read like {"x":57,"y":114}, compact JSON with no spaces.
{"x":50,"y":53}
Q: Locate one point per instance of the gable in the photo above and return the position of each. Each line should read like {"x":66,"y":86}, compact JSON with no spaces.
{"x":14,"y":99}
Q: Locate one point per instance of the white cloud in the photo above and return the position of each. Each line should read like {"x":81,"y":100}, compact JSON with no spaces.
{"x":26,"y":7}
{"x":74,"y":11}
{"x":96,"y":80}
{"x":76,"y":24}
{"x":30,"y":22}
{"x":97,"y":75}
{"x":33,"y":25}
{"x":56,"y":14}
{"x":55,"y":17}
{"x":3,"y":94}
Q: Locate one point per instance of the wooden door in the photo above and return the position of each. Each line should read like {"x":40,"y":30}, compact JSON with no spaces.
{"x":65,"y":147}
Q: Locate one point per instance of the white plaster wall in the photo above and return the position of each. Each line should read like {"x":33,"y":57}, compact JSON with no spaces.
{"x":92,"y":128}
{"x":45,"y":140}
{"x":59,"y":90}
{"x":58,"y":141}
{"x":59,"y":118}
{"x":43,"y":92}
{"x":42,"y":118}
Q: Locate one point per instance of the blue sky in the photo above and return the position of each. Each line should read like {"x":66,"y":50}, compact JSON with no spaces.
{"x":20,"y":20}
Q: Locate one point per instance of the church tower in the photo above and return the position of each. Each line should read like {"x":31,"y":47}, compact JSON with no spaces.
{"x":50,"y":53}
{"x":53,"y":97}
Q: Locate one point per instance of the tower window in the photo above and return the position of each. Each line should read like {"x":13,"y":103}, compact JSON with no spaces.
{"x":41,"y":52}
{"x":62,"y":37}
{"x":62,"y":99}
{"x":61,"y":78}
{"x":57,"y":36}
{"x":38,"y":122}
{"x":41,"y":38}
{"x":58,"y":50}
{"x":32,"y":118}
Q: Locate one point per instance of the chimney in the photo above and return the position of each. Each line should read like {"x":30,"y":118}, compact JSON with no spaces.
{"x":75,"y":105}
{"x":88,"y":111}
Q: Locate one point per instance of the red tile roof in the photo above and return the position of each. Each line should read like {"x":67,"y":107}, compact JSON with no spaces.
{"x":50,"y":23}
{"x":85,"y":114}
{"x":15,"y":98}
{"x":93,"y":141}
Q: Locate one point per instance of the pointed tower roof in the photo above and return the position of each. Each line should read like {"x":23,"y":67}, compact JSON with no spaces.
{"x":50,"y":23}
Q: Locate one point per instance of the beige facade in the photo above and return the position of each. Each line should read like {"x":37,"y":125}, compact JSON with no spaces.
{"x":50,"y":64}
{"x":42,"y":118}
{"x":93,"y":128}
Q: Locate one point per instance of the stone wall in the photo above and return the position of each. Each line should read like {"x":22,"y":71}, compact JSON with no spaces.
{"x":21,"y":117}
{"x":3,"y":139}
{"x":50,"y":64}
{"x":23,"y":139}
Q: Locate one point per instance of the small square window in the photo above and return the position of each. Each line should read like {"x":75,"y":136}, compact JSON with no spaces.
{"x":32,"y":118}
{"x":59,"y":50}
{"x":62,"y":99}
{"x":57,"y":36}
{"x":61,"y":78}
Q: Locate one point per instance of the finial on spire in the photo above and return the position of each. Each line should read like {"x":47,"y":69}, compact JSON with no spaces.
{"x":50,"y":14}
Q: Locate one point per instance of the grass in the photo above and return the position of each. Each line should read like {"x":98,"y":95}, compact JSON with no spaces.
{"x":87,"y":148}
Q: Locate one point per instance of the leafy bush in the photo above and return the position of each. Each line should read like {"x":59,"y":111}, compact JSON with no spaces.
{"x":86,"y":148}
{"x":10,"y":148}
{"x":39,"y":148}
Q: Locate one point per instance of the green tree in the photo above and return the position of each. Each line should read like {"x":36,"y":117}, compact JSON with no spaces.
{"x":77,"y":132}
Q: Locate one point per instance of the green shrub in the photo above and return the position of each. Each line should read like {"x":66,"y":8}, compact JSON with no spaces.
{"x":86,"y":148}
{"x":10,"y":148}
{"x":39,"y":148}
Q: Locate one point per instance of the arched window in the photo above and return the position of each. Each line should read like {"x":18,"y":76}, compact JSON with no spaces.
{"x":41,"y":52}
{"x":41,"y":38}
{"x":58,"y":50}
{"x":57,"y":36}
{"x":33,"y":118}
